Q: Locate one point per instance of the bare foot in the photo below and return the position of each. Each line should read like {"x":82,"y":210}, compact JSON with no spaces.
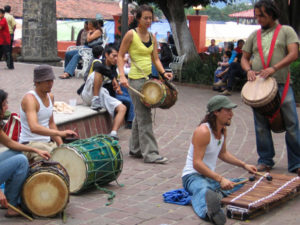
{"x":65,"y":76}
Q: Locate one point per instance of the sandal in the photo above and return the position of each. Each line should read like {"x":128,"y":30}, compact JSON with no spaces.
{"x":64,"y":76}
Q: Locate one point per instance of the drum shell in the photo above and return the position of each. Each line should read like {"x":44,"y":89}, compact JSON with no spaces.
{"x":171,"y":98}
{"x":266,"y":104}
{"x":50,"y":182}
{"x":165,"y":97}
{"x":100,"y":156}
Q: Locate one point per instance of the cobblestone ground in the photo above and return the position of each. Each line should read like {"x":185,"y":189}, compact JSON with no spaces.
{"x":140,"y":201}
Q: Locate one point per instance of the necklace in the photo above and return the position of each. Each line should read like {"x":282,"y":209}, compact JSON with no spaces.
{"x":219,"y":141}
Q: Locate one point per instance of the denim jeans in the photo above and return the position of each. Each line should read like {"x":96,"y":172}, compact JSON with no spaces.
{"x":126,"y":100}
{"x":13,"y":171}
{"x":71,"y":60}
{"x":264,"y":141}
{"x":197,"y":185}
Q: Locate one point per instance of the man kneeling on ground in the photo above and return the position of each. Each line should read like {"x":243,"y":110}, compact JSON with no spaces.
{"x":208,"y":144}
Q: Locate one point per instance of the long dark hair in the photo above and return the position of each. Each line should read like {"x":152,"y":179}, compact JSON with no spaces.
{"x":270,"y":8}
{"x":3,"y":97}
{"x":211,"y":118}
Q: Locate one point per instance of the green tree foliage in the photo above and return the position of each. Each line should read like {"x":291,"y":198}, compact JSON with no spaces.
{"x":222,"y":14}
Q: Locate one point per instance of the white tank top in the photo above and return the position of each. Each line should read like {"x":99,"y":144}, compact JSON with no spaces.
{"x":210,"y":157}
{"x":43,"y":114}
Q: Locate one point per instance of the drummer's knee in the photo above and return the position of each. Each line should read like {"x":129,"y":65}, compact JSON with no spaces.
{"x":121,"y":108}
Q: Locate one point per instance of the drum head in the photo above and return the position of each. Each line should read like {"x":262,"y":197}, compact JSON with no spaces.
{"x":153,"y":92}
{"x":45,"y":194}
{"x":68,"y":157}
{"x":259,"y":92}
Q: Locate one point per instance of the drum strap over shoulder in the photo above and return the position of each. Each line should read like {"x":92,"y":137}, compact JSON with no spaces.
{"x":259,"y":46}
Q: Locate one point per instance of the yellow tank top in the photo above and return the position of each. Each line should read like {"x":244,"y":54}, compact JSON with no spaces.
{"x":140,"y":55}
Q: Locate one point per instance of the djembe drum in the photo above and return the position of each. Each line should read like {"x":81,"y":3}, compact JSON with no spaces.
{"x":254,"y":198}
{"x":46,"y":190}
{"x":97,"y":160}
{"x":159,"y":94}
{"x":263,"y":96}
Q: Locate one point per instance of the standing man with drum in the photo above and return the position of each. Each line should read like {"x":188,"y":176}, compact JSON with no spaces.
{"x":142,"y":47}
{"x":36,"y":114}
{"x":285,"y":50}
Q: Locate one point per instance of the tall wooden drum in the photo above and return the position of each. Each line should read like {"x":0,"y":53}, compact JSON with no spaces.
{"x":263,"y":96}
{"x":46,"y":190}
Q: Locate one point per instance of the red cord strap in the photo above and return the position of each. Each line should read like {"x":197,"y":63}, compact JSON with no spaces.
{"x":259,"y":46}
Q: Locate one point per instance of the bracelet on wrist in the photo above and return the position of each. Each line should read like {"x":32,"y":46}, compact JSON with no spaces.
{"x":248,"y":70}
{"x":162,"y":74}
{"x":274,"y":68}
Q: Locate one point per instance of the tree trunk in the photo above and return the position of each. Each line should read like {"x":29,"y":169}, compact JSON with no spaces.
{"x":289,"y":13}
{"x":174,"y":12}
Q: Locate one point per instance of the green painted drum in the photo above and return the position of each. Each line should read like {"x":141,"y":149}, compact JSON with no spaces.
{"x":97,"y":159}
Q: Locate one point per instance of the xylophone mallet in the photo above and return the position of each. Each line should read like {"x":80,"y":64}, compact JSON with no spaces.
{"x":269,"y":177}
{"x":251,"y":178}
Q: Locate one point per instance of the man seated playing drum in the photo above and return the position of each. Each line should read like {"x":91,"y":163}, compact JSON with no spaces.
{"x":13,"y":164}
{"x":208,"y":144}
{"x":97,"y":96}
{"x":36,"y":114}
{"x":286,"y":47}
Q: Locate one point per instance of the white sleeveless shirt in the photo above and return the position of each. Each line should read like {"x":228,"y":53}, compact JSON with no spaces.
{"x":43,"y":114}
{"x":210,"y":157}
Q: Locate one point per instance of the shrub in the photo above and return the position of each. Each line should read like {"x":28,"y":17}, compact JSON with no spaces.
{"x":200,"y":70}
{"x":295,"y":76}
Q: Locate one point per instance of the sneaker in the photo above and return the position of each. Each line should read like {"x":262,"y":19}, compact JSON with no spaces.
{"x":161,"y":160}
{"x":214,"y":211}
{"x":96,"y":103}
{"x":219,"y":83}
{"x":226,"y":92}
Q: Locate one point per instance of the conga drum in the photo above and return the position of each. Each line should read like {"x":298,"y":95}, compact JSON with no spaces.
{"x":157,"y":94}
{"x":263,"y":96}
{"x":97,"y":159}
{"x":46,"y":190}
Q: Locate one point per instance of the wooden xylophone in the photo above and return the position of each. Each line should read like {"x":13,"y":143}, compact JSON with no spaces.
{"x":257,"y":197}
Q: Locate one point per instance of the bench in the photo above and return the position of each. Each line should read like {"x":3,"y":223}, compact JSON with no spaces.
{"x":176,"y":66}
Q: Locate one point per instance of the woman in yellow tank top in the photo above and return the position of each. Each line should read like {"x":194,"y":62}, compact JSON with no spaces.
{"x":142,"y":48}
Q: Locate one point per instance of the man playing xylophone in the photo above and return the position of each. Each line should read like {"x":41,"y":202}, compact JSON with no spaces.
{"x":265,"y":64}
{"x":208,"y":144}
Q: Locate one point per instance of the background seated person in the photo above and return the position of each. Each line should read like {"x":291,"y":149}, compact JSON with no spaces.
{"x":97,"y":96}
{"x":213,"y":48}
{"x":82,"y":35}
{"x":36,"y":115}
{"x":72,"y":57}
{"x":13,"y":164}
{"x":165,"y":53}
{"x":222,"y":69}
{"x":235,"y":69}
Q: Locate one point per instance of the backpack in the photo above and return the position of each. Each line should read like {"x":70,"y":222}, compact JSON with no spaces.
{"x":13,"y":127}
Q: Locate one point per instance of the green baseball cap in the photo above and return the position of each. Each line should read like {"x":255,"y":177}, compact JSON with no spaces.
{"x":218,"y":102}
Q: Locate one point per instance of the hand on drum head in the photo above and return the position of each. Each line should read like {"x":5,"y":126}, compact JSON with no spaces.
{"x":68,"y":133}
{"x":46,"y":155}
{"x":3,"y":200}
{"x":251,"y":75}
{"x":267,"y":72}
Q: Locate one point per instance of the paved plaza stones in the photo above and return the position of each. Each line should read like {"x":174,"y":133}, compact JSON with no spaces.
{"x":139,"y":201}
